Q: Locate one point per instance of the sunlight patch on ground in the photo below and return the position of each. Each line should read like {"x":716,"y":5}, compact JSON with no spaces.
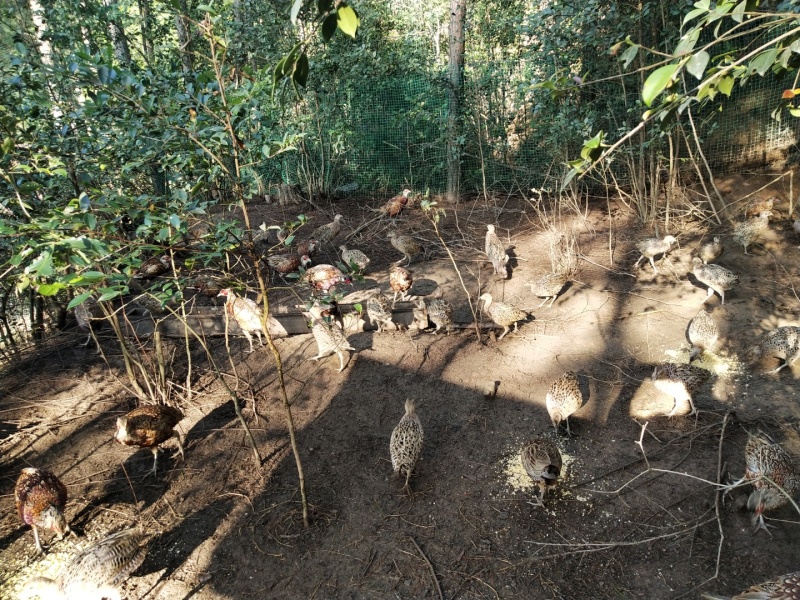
{"x":16,"y":572}
{"x":720,"y":365}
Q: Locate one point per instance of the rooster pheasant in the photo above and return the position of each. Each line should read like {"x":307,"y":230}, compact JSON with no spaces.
{"x":246,"y":314}
{"x":148,"y":427}
{"x":395,"y":206}
{"x":40,"y":498}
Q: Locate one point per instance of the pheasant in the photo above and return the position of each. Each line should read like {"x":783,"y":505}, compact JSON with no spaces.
{"x":379,"y":310}
{"x":283,"y":264}
{"x":40,"y":498}
{"x":400,"y":280}
{"x":679,"y":381}
{"x":748,"y":232}
{"x":782,"y":343}
{"x":246,"y":314}
{"x":327,"y":233}
{"x":405,"y":445}
{"x":563,"y":398}
{"x":785,"y":587}
{"x":652,"y":247}
{"x":153,"y":267}
{"x":712,"y":250}
{"x":355,"y":260}
{"x":90,"y":317}
{"x":148,"y":427}
{"x":440,"y":312}
{"x":329,"y":339}
{"x":395,"y":206}
{"x":756,"y":206}
{"x":548,"y":287}
{"x":796,"y":227}
{"x":209,"y":284}
{"x":765,"y":459}
{"x":96,"y":572}
{"x":323,"y":277}
{"x":703,"y":334}
{"x":503,"y":314}
{"x":496,"y":252}
{"x":717,"y":278}
{"x":405,"y":244}
{"x":541,"y":460}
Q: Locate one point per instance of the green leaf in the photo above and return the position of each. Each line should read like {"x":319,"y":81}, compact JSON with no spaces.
{"x":795,"y":112}
{"x":175,"y":221}
{"x":593,"y":148}
{"x":86,"y":278}
{"x":7,"y":145}
{"x":329,"y":27}
{"x":347,"y":20}
{"x":697,"y":64}
{"x":700,"y":7}
{"x":657,"y":82}
{"x":725,"y":85}
{"x":763,"y":62}
{"x":102,"y":74}
{"x":687,"y":42}
{"x":109,"y":295}
{"x":629,"y":54}
{"x":90,"y":220}
{"x":79,"y":299}
{"x":50,"y":289}
{"x":298,"y":4}
{"x":300,"y":75}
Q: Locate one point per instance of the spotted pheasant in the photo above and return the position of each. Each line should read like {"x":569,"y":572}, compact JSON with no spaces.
{"x":703,"y":334}
{"x":405,"y":446}
{"x":748,"y":232}
{"x":503,"y":314}
{"x":409,"y":247}
{"x":153,"y":267}
{"x":782,"y":343}
{"x":327,"y":233}
{"x":496,"y":251}
{"x":355,"y":260}
{"x":785,"y":587}
{"x":717,"y":278}
{"x":712,"y":250}
{"x":379,"y":310}
{"x":679,"y":381}
{"x":329,"y":339}
{"x":541,"y":460}
{"x":400,"y":280}
{"x":440,"y":312}
{"x":548,"y":286}
{"x":652,"y":247}
{"x":564,"y":398}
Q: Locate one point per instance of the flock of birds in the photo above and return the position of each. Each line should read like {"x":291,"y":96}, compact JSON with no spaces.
{"x":99,"y":569}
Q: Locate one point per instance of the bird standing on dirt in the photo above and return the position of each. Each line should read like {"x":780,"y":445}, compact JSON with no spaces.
{"x":563,"y":398}
{"x":756,"y":206}
{"x":712,"y":250}
{"x":379,"y":310}
{"x":541,"y":460}
{"x":652,"y":247}
{"x":148,"y":427}
{"x":503,"y":314}
{"x":40,"y":498}
{"x":703,"y":334}
{"x":405,"y":445}
{"x":679,"y":381}
{"x":395,"y":206}
{"x":354,"y":260}
{"x":717,"y":278}
{"x":323,"y":277}
{"x":748,"y":232}
{"x":766,"y":459}
{"x":329,"y":339}
{"x":246,"y":314}
{"x":283,"y":264}
{"x":405,"y":244}
{"x":785,"y":587}
{"x":153,"y":267}
{"x":400,"y":280}
{"x":90,"y":317}
{"x":96,"y":572}
{"x":440,"y":312}
{"x":782,"y":343}
{"x":327,"y":233}
{"x":496,"y":251}
{"x":548,"y":286}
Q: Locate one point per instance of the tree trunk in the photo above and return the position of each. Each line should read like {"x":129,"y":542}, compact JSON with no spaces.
{"x":122,"y":51}
{"x":146,"y":26}
{"x":458,"y":12}
{"x":184,"y":38}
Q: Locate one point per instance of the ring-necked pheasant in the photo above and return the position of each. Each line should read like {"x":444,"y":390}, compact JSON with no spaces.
{"x":400,"y":280}
{"x":395,"y":206}
{"x":405,"y":445}
{"x":40,"y":498}
{"x":148,"y":427}
{"x":748,"y":232}
{"x":327,"y":233}
{"x":246,"y":314}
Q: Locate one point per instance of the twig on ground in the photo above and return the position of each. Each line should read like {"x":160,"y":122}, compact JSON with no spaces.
{"x":430,"y":566}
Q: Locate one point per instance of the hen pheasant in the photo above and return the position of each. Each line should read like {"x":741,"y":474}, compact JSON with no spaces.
{"x":703,"y":334}
{"x":153,"y":267}
{"x":329,"y":339}
{"x":440,"y":312}
{"x":782,"y":343}
{"x":564,"y":398}
{"x":327,"y":233}
{"x":400,"y":280}
{"x":496,"y":252}
{"x":90,"y":317}
{"x":548,"y":286}
{"x":405,"y":244}
{"x":652,"y":247}
{"x":712,"y":250}
{"x":283,"y":264}
{"x":679,"y":381}
{"x":323,"y":277}
{"x":405,"y":446}
{"x":503,"y":314}
{"x":785,"y":587}
{"x":766,"y":459}
{"x":379,"y":310}
{"x":40,"y":498}
{"x":96,"y":572}
{"x":246,"y":314}
{"x":148,"y":427}
{"x":355,"y":260}
{"x":748,"y":232}
{"x":717,"y":278}
{"x":756,"y":206}
{"x":541,"y":460}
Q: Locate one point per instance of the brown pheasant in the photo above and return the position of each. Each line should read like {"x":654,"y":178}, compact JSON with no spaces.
{"x":148,"y":427}
{"x":246,"y":314}
{"x":564,"y":398}
{"x":90,"y":317}
{"x":400,"y":280}
{"x":785,"y":587}
{"x":283,"y":264}
{"x":323,"y":277}
{"x":496,"y":251}
{"x":756,"y":206}
{"x":41,"y":497}
{"x":405,"y":244}
{"x":541,"y":460}
{"x":679,"y":381}
{"x":405,"y":445}
{"x":395,"y":206}
{"x":355,"y":260}
{"x":153,"y":267}
{"x":96,"y":572}
{"x":503,"y":314}
{"x":327,"y":233}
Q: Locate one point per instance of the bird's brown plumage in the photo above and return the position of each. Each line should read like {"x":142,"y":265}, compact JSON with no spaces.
{"x":40,"y":499}
{"x":148,"y":427}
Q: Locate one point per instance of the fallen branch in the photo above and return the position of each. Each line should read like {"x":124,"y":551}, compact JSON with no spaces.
{"x":430,"y":566}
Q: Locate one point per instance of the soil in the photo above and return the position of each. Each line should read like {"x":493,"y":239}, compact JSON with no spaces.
{"x":635,"y":514}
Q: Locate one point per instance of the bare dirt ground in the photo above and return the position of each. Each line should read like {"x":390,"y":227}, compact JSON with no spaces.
{"x":634,"y":517}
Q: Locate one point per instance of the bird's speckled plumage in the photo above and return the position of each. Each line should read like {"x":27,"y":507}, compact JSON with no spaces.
{"x":323,"y":277}
{"x":354,"y":257}
{"x":327,"y":233}
{"x":703,"y":334}
{"x":541,"y":460}
{"x":246,"y":314}
{"x":329,"y":339}
{"x":712,"y":250}
{"x":679,"y":381}
{"x":405,"y":244}
{"x":379,"y":310}
{"x":440,"y":312}
{"x":405,"y":445}
{"x":503,"y":314}
{"x":563,"y":398}
{"x":756,"y":206}
{"x":287,"y":263}
{"x":548,"y":286}
{"x":153,"y":267}
{"x":785,"y":587}
{"x":40,"y":498}
{"x":717,"y":278}
{"x":148,"y":427}
{"x":496,"y":251}
{"x":782,"y":343}
{"x":748,"y":232}
{"x":652,"y":247}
